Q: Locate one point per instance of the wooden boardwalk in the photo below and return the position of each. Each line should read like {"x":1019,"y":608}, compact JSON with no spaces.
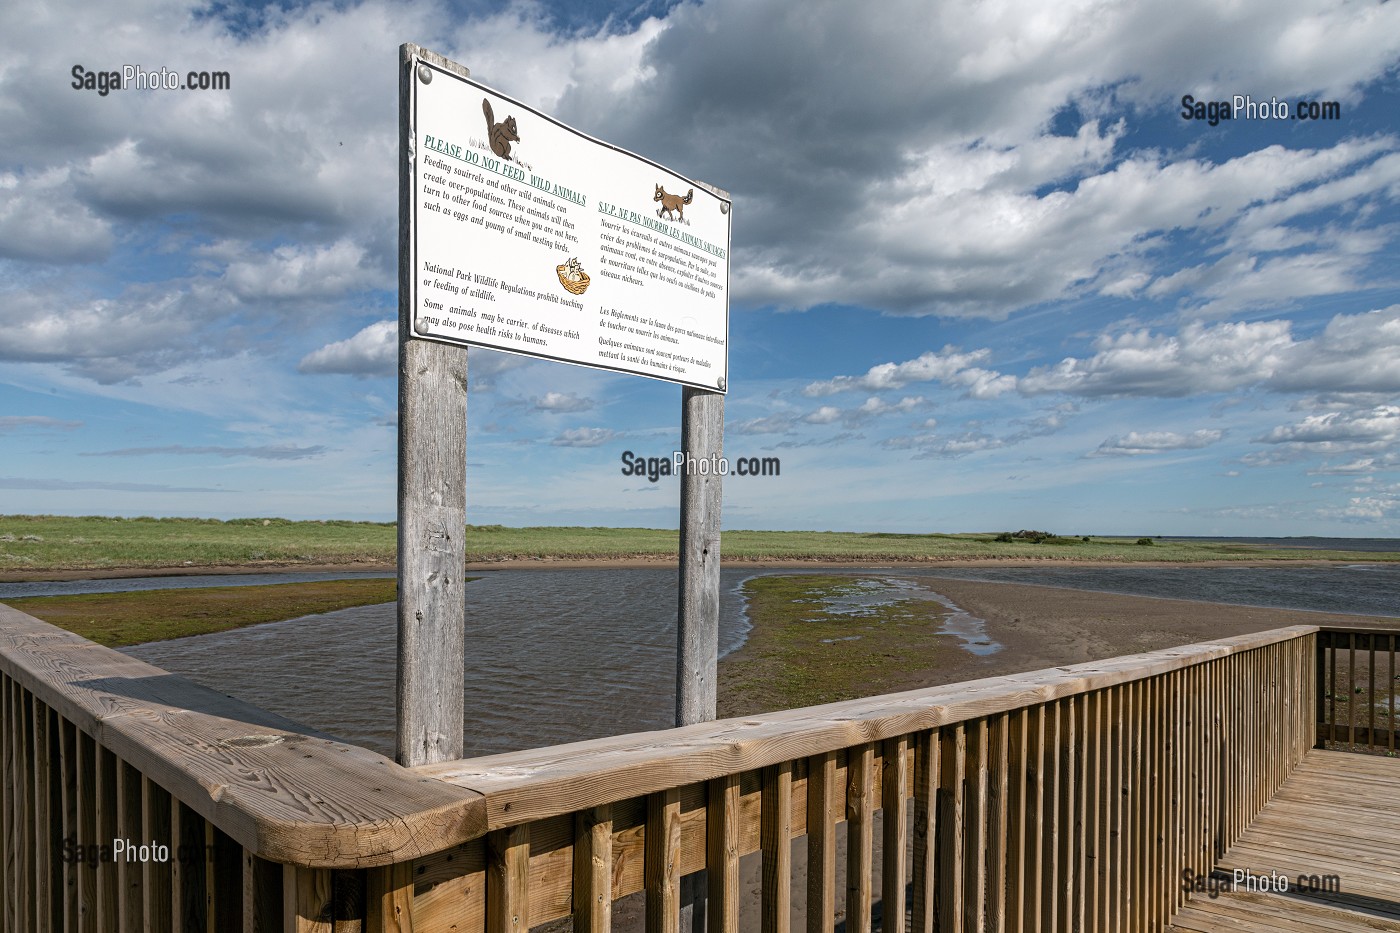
{"x":1334,"y":824}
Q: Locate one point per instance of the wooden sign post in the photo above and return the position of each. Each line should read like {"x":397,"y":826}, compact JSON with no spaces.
{"x":702,"y":496}
{"x":432,"y":503}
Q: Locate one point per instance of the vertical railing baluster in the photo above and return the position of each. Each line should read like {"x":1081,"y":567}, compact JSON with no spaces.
{"x":1320,"y":676}
{"x":663,"y":858}
{"x":1116,"y":789}
{"x":1051,"y":866}
{"x":48,"y":802}
{"x":23,"y":791}
{"x":262,"y":894}
{"x":860,"y":836}
{"x":307,"y":894}
{"x":156,"y":875}
{"x":1081,"y":822}
{"x":894,"y":869}
{"x":593,"y":868}
{"x":1069,"y":849}
{"x":1332,"y":644}
{"x":950,"y":883}
{"x":69,"y":769}
{"x":508,"y":871}
{"x":1133,"y":805}
{"x":1390,"y":691}
{"x":106,"y":798}
{"x":998,"y":819}
{"x":975,"y":829}
{"x":128,"y":793}
{"x":1036,"y":752}
{"x":1351,"y":690}
{"x":9,"y":808}
{"x":776,"y":842}
{"x":1096,"y":815}
{"x":1370,"y":691}
{"x":86,"y":831}
{"x":1016,"y":825}
{"x":722,"y":853}
{"x":821,"y":844}
{"x":390,"y":900}
{"x":928,"y":770}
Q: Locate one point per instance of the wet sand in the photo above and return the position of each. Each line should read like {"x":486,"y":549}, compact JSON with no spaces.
{"x":1041,"y":627}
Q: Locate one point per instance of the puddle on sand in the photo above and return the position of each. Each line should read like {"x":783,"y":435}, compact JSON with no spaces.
{"x":871,"y":594}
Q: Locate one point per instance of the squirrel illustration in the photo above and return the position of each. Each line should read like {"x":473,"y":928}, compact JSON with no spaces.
{"x":672,"y":202}
{"x":501,"y":134}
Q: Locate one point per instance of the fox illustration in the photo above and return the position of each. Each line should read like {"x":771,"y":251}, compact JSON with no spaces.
{"x":672,"y":202}
{"x":501,"y":134}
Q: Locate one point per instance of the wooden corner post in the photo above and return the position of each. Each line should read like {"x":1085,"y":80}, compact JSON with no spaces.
{"x":702,"y":496}
{"x":432,"y":500}
{"x":697,"y":629}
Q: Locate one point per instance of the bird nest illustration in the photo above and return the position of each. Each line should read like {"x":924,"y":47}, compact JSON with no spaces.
{"x":572,"y":277}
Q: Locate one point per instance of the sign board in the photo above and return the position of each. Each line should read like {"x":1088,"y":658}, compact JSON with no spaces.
{"x":532,"y":237}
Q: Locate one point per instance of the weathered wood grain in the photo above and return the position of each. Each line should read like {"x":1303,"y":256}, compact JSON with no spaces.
{"x":860,"y":837}
{"x":777,"y":833}
{"x":893,"y":848}
{"x":306,"y":900}
{"x":663,"y":871}
{"x":157,"y":875}
{"x":593,"y":870}
{"x":390,"y":899}
{"x":722,"y":856}
{"x":508,"y":880}
{"x":821,"y":843}
{"x":432,"y":499}
{"x":697,"y":629}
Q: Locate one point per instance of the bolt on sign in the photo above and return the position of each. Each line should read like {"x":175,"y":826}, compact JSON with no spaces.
{"x":530,"y":236}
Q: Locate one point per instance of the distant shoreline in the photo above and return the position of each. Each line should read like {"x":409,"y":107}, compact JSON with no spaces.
{"x":615,"y":563}
{"x":39,"y":547}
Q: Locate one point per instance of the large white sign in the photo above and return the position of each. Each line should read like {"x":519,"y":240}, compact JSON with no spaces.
{"x":532,"y":237}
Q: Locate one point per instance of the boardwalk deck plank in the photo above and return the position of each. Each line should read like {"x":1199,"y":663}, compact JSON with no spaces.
{"x":1336,"y":815}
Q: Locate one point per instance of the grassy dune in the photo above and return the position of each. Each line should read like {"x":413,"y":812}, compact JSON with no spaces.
{"x":39,"y":543}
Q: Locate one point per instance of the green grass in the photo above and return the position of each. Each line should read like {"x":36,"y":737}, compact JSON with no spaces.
{"x":800,"y":654}
{"x":95,"y":543}
{"x":35,"y":544}
{"x":118,"y":619}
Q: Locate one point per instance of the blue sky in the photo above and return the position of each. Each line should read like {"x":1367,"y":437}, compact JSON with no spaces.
{"x":985,"y":276}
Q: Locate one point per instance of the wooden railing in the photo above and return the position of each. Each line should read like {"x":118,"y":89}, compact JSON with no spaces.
{"x":1357,"y":689}
{"x":1067,"y":799}
{"x":264,"y":824}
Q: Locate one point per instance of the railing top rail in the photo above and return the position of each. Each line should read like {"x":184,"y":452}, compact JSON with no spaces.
{"x":1361,"y":629}
{"x":521,"y":787}
{"x":283,"y":791}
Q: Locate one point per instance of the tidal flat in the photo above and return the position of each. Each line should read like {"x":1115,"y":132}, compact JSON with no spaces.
{"x":819,"y":638}
{"x":121,"y":619}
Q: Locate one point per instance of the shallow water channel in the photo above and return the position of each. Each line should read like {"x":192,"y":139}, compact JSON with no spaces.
{"x":552,"y":656}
